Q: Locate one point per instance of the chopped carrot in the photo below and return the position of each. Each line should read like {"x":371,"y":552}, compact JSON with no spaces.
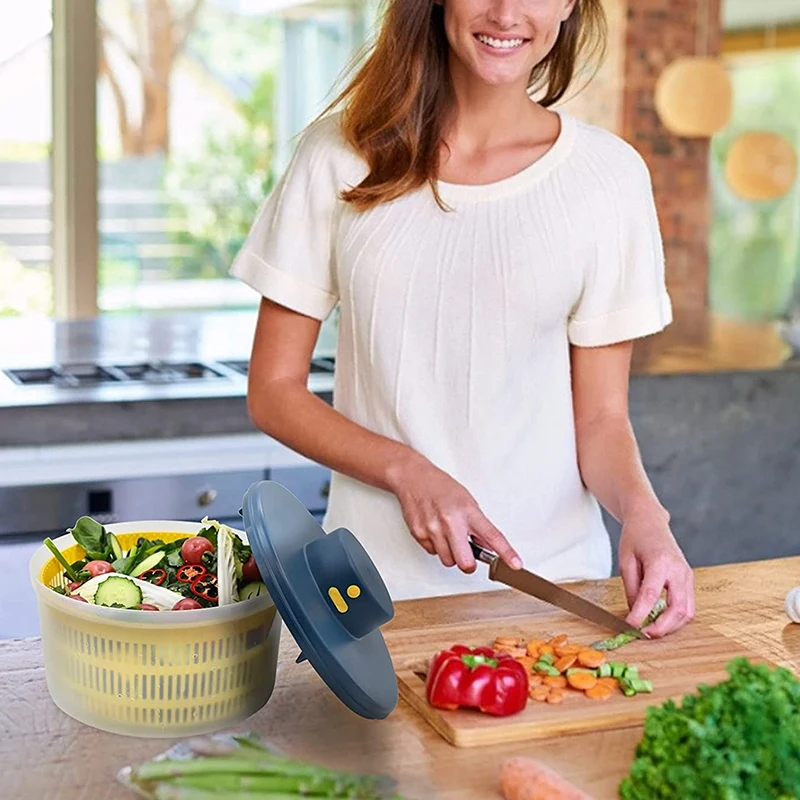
{"x":526,"y":662}
{"x":599,"y":692}
{"x":525,"y":778}
{"x":517,"y":652}
{"x":539,"y":692}
{"x":582,"y":680}
{"x":559,"y":681}
{"x":506,"y":641}
{"x":546,"y":648}
{"x":612,"y":683}
{"x":591,"y":658}
{"x":534,"y":679}
{"x":564,"y":663}
{"x":559,"y":641}
{"x":533,"y":647}
{"x":555,"y":696}
{"x":569,"y":650}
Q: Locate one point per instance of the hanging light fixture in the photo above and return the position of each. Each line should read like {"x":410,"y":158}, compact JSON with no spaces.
{"x":761,"y":165}
{"x":694,"y":94}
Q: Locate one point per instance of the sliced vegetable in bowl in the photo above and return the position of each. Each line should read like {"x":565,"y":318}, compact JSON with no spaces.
{"x":211,"y":568}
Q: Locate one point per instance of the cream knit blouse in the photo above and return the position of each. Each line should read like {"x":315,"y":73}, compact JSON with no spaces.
{"x":456,"y":326}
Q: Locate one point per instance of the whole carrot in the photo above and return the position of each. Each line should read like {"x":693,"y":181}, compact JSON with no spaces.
{"x":524,"y":778}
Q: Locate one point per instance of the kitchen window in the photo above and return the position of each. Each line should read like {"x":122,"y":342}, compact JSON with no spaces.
{"x":194,"y":105}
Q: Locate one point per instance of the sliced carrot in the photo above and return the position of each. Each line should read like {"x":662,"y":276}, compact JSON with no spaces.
{"x":506,"y":641}
{"x":599,"y":692}
{"x":582,"y":680}
{"x":539,"y":692}
{"x":591,"y":658}
{"x":569,"y":650}
{"x":559,"y":681}
{"x":612,"y":683}
{"x":564,"y":663}
{"x":534,"y":679}
{"x":517,"y":652}
{"x":525,"y":778}
{"x":546,"y":648}
{"x":559,"y":641}
{"x":526,"y":662}
{"x":555,"y":696}
{"x":533,"y":647}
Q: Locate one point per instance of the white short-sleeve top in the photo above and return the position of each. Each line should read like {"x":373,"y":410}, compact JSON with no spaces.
{"x":455,"y":330}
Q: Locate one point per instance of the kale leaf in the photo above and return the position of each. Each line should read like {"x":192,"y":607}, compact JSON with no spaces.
{"x":738,"y":739}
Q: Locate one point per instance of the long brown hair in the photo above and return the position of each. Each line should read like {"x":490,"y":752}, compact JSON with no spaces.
{"x":395,"y":107}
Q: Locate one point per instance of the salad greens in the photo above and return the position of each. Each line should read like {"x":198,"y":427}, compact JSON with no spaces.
{"x":736,"y":740}
{"x":211,"y":568}
{"x":245,"y":766}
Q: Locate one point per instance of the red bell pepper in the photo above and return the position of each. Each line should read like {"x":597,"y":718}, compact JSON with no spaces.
{"x":463,"y":677}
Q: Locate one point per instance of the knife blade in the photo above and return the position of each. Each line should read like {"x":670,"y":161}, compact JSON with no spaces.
{"x":528,"y":582}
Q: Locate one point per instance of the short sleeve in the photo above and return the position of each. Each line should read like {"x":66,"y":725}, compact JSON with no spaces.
{"x":288,"y":254}
{"x":624,"y":294}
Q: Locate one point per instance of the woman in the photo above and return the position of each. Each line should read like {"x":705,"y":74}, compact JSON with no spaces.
{"x":493,"y":260}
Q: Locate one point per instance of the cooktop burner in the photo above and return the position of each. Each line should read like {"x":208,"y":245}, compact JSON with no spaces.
{"x":318,"y":365}
{"x":75,"y":375}
{"x":67,"y":375}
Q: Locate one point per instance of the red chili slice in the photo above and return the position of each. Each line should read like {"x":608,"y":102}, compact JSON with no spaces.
{"x":190,"y":572}
{"x":206,"y":587}
{"x":156,"y":576}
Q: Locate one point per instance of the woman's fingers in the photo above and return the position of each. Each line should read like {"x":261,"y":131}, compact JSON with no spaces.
{"x":493,"y":539}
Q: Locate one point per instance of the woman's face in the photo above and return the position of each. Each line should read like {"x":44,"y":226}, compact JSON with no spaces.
{"x":501,"y":41}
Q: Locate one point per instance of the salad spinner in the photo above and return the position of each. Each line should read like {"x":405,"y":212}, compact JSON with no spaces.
{"x":329,"y":595}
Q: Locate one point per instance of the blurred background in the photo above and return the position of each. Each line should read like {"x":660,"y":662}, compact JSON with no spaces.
{"x":137,"y":139}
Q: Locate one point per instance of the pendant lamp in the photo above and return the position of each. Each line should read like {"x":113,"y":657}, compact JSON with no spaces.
{"x":761,"y":165}
{"x":694,"y":94}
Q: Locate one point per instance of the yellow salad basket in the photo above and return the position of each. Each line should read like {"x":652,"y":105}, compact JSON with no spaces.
{"x":166,"y":674}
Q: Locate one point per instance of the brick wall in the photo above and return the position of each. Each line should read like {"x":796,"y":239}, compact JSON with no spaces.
{"x":657,"y":32}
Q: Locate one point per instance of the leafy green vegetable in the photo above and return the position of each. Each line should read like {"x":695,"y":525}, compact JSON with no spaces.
{"x":72,"y":573}
{"x":93,"y":538}
{"x":736,"y":740}
{"x":210,"y":533}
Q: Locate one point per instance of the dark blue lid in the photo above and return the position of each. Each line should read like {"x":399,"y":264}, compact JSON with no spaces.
{"x":329,"y":595}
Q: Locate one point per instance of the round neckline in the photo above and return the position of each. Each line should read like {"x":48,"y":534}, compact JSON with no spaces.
{"x":525,"y":177}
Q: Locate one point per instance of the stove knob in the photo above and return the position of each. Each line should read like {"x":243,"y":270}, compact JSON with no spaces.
{"x":206,"y":497}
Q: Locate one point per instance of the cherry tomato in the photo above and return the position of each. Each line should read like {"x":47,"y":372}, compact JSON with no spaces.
{"x":74,"y":585}
{"x":95,"y":568}
{"x":147,"y":607}
{"x":186,"y":604}
{"x":193,"y":548}
{"x":250,"y":571}
{"x":78,"y":598}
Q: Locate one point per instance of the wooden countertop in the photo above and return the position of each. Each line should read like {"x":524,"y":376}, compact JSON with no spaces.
{"x":44,"y":753}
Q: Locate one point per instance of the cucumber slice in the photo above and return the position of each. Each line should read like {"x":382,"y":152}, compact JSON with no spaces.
{"x":116,"y":547}
{"x":118,"y":591}
{"x":252,"y":589}
{"x":151,"y":561}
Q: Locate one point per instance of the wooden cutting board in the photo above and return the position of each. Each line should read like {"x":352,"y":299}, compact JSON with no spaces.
{"x":675,"y":664}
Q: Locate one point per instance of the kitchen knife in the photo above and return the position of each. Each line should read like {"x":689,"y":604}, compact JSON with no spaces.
{"x":539,"y":587}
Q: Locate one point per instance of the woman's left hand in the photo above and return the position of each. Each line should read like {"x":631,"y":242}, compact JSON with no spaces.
{"x":650,"y":560}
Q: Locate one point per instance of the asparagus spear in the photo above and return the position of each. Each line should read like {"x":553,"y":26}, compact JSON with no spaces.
{"x":615,"y":642}
{"x":272,"y":776}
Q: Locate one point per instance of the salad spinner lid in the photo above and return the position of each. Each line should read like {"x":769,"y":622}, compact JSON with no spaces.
{"x":328,"y":593}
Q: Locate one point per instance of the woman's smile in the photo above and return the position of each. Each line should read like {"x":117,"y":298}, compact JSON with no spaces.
{"x":500,"y":45}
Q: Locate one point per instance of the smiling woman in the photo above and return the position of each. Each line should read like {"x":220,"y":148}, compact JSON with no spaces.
{"x":493,"y":260}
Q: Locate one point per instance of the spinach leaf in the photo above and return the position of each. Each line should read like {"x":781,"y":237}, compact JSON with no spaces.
{"x":92,"y":537}
{"x":209,"y":533}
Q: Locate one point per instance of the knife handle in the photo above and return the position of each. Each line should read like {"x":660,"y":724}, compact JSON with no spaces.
{"x":481,"y":553}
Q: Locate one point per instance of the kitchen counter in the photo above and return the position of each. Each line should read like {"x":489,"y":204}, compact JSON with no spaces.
{"x":46,"y":754}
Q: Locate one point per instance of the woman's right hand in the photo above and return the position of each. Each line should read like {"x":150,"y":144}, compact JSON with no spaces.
{"x":442,"y":516}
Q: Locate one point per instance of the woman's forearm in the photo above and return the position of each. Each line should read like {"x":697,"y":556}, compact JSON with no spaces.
{"x":612,"y":469}
{"x":297,"y":418}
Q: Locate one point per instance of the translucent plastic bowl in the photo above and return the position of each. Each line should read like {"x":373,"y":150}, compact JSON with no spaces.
{"x":153,"y":674}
